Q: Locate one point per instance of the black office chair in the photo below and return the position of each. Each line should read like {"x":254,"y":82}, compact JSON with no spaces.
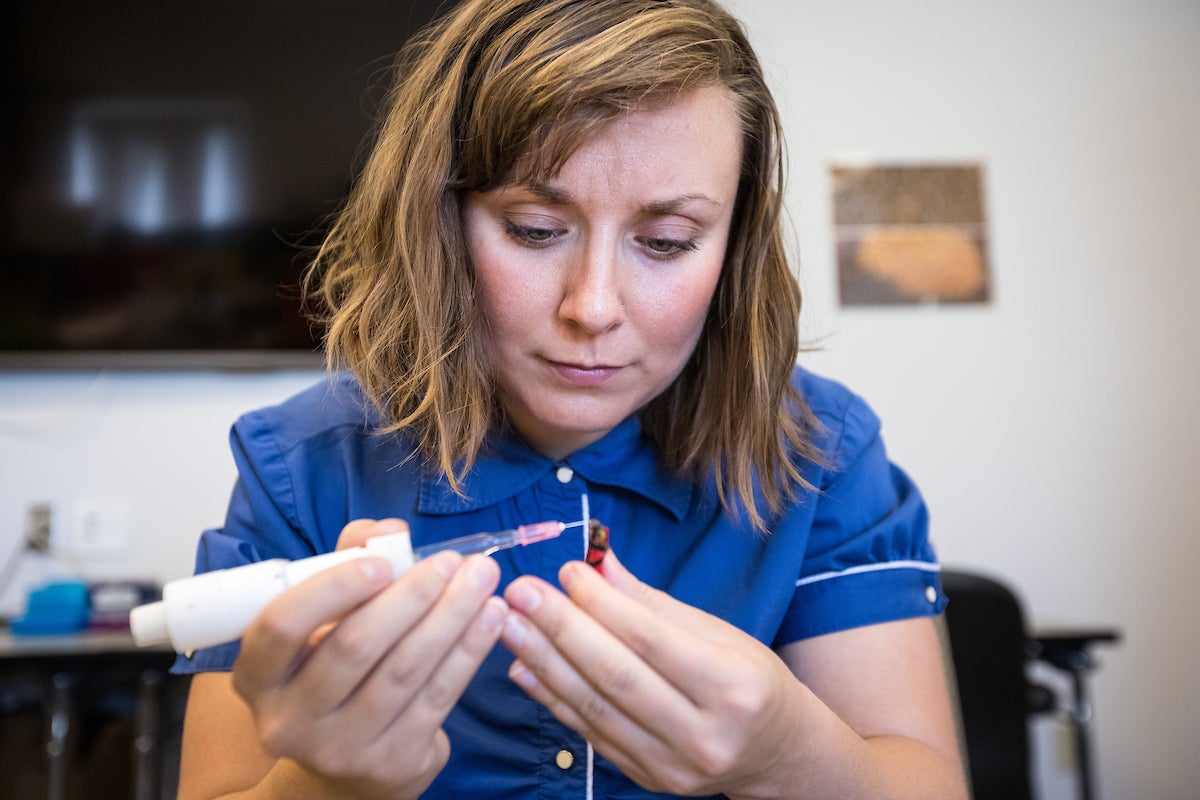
{"x":992,"y":647}
{"x":987,"y":639}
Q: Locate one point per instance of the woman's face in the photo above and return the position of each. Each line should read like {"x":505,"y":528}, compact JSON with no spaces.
{"x":596,"y":284}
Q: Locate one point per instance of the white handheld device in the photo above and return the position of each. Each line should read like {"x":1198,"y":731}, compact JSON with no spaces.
{"x":216,"y":607}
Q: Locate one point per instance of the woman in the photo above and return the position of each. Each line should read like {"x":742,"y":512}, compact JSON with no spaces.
{"x":559,"y":285}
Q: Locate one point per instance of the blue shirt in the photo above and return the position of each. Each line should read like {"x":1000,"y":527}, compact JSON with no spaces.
{"x":854,"y":552}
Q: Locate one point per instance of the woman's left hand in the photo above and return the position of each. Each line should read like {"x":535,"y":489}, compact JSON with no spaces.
{"x":681,"y":701}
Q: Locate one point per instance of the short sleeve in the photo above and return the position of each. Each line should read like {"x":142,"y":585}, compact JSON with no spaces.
{"x":868,"y":559}
{"x":261,"y":523}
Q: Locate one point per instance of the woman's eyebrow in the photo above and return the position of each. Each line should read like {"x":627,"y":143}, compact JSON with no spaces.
{"x":549,"y":194}
{"x":663,"y":208}
{"x":554,"y":196}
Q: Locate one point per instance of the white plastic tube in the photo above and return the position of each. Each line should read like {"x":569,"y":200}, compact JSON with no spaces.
{"x":217,"y":607}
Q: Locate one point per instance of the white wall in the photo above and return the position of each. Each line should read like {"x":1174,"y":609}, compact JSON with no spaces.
{"x":158,"y":442}
{"x":1051,"y":430}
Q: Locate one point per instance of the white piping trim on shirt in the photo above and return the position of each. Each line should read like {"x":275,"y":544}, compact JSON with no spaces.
{"x":587,"y":516}
{"x":591,"y":764}
{"x":924,"y":566}
{"x":591,"y":754}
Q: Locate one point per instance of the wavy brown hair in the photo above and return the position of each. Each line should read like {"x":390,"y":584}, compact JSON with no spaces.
{"x":503,"y":91}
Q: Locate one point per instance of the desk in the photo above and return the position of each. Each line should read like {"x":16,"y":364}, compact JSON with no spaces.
{"x":61,"y":673}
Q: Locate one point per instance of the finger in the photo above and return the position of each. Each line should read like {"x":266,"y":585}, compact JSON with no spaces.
{"x":451,"y":677}
{"x":277,"y":638}
{"x":656,"y":601}
{"x":644,"y":755}
{"x":346,"y":655}
{"x":622,"y":740}
{"x":552,"y":681}
{"x":357,"y":532}
{"x":678,"y":641}
{"x":406,"y":679}
{"x":579,"y":663}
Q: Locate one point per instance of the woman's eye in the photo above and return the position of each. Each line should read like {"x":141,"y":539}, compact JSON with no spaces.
{"x":668,"y":247}
{"x":531,"y":235}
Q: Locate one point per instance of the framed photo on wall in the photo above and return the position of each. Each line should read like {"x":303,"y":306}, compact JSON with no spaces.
{"x":910,"y":234}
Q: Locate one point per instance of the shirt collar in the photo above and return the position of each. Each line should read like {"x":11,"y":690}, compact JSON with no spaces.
{"x":623,"y":458}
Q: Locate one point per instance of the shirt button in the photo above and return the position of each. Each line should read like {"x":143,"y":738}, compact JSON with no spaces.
{"x":564,"y":759}
{"x":931,"y":594}
{"x":564,"y":474}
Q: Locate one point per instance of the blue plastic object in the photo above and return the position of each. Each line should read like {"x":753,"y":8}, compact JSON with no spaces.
{"x":56,"y":608}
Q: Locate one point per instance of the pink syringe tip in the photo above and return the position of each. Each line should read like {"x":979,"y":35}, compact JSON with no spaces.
{"x":540,"y":531}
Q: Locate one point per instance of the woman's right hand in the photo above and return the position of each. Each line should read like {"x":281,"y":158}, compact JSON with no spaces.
{"x":351,"y":675}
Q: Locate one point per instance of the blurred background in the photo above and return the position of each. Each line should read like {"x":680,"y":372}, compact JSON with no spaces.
{"x":1050,"y":424}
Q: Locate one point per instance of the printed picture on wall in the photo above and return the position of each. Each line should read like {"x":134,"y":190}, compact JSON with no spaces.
{"x":910,"y":234}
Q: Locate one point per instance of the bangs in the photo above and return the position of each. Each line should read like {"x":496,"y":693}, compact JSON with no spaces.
{"x":538,"y":90}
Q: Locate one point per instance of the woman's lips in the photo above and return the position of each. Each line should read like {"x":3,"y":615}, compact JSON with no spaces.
{"x":583,"y":375}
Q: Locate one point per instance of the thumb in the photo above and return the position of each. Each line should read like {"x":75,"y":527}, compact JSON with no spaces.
{"x":357,"y":532}
{"x":617,"y":575}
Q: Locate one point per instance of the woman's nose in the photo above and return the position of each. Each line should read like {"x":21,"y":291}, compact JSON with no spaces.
{"x":592,"y":294}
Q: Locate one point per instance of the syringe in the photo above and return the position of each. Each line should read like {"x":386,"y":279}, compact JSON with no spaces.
{"x":216,"y":607}
{"x":488,"y":543}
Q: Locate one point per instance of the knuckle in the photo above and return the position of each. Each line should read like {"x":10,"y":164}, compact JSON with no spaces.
{"x":275,"y":630}
{"x":334,"y":761}
{"x":594,"y":709}
{"x":715,"y":758}
{"x":641,"y":641}
{"x":435,"y":757}
{"x":275,"y":735}
{"x":749,"y":700}
{"x":616,"y":678}
{"x":400,"y":674}
{"x":351,"y":646}
{"x":440,"y":695}
{"x":677,"y":780}
{"x":713,"y":752}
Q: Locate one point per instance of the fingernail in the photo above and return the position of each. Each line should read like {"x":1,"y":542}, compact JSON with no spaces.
{"x":521,"y":676}
{"x":374,"y":569}
{"x":523,"y":597}
{"x":516,"y":631}
{"x":482,"y":572}
{"x":446,"y":563}
{"x":567,"y":576}
{"x":392,"y":525}
{"x":491,"y":618}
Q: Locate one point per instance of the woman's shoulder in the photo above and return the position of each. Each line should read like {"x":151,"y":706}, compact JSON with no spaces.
{"x":845,"y":422}
{"x":333,"y":405}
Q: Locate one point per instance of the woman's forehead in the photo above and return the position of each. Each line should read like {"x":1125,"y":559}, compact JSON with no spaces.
{"x":539,"y":164}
